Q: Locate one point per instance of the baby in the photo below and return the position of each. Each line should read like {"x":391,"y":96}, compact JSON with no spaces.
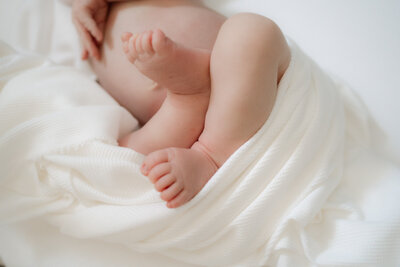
{"x":200,"y":84}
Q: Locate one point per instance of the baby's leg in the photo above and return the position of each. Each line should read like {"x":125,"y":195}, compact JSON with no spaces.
{"x":249,"y":58}
{"x":185,"y":73}
{"x":247,"y":62}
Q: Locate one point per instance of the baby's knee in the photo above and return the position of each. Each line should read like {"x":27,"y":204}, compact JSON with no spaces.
{"x":248,"y":25}
{"x":247,"y":17}
{"x":246,"y":32}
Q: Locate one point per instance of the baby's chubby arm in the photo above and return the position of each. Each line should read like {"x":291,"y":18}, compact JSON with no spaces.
{"x":89,"y":17}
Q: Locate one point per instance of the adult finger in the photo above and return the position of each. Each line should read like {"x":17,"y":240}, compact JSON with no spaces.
{"x":100,"y":17}
{"x":90,"y":24}
{"x":79,"y":29}
{"x":88,"y":42}
{"x":85,"y":54}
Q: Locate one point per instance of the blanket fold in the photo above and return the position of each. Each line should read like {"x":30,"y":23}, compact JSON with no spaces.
{"x":298,"y":193}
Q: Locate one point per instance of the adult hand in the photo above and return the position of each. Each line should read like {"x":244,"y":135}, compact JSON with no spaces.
{"x":89,"y":17}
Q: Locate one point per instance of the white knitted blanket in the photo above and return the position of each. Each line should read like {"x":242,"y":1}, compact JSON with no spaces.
{"x":309,"y":189}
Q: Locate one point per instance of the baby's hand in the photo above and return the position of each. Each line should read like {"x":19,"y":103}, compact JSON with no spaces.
{"x":89,"y":17}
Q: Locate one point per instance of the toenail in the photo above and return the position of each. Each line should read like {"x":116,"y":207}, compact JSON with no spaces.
{"x":144,"y":168}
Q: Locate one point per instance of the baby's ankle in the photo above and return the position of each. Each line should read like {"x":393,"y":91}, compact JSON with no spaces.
{"x":198,"y":146}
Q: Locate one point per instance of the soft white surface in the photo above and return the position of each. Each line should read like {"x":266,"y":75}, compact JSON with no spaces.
{"x":307,"y":190}
{"x":42,"y":27}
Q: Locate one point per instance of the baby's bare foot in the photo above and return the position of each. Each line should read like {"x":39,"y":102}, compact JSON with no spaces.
{"x":185,"y":73}
{"x":181,"y":70}
{"x":178,"y":173}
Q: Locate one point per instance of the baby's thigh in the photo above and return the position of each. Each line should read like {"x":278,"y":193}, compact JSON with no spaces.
{"x":127,"y":85}
{"x":253,"y":48}
{"x":245,"y":65}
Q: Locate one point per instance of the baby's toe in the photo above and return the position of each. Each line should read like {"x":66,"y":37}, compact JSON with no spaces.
{"x":153,"y":159}
{"x":172,"y":191}
{"x":179,"y":200}
{"x":131,"y":51}
{"x":160,"y":41}
{"x":158,"y":171}
{"x":146,"y":42}
{"x":164,"y":182}
{"x":125,"y":47}
{"x":138,"y":44}
{"x":125,"y":36}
